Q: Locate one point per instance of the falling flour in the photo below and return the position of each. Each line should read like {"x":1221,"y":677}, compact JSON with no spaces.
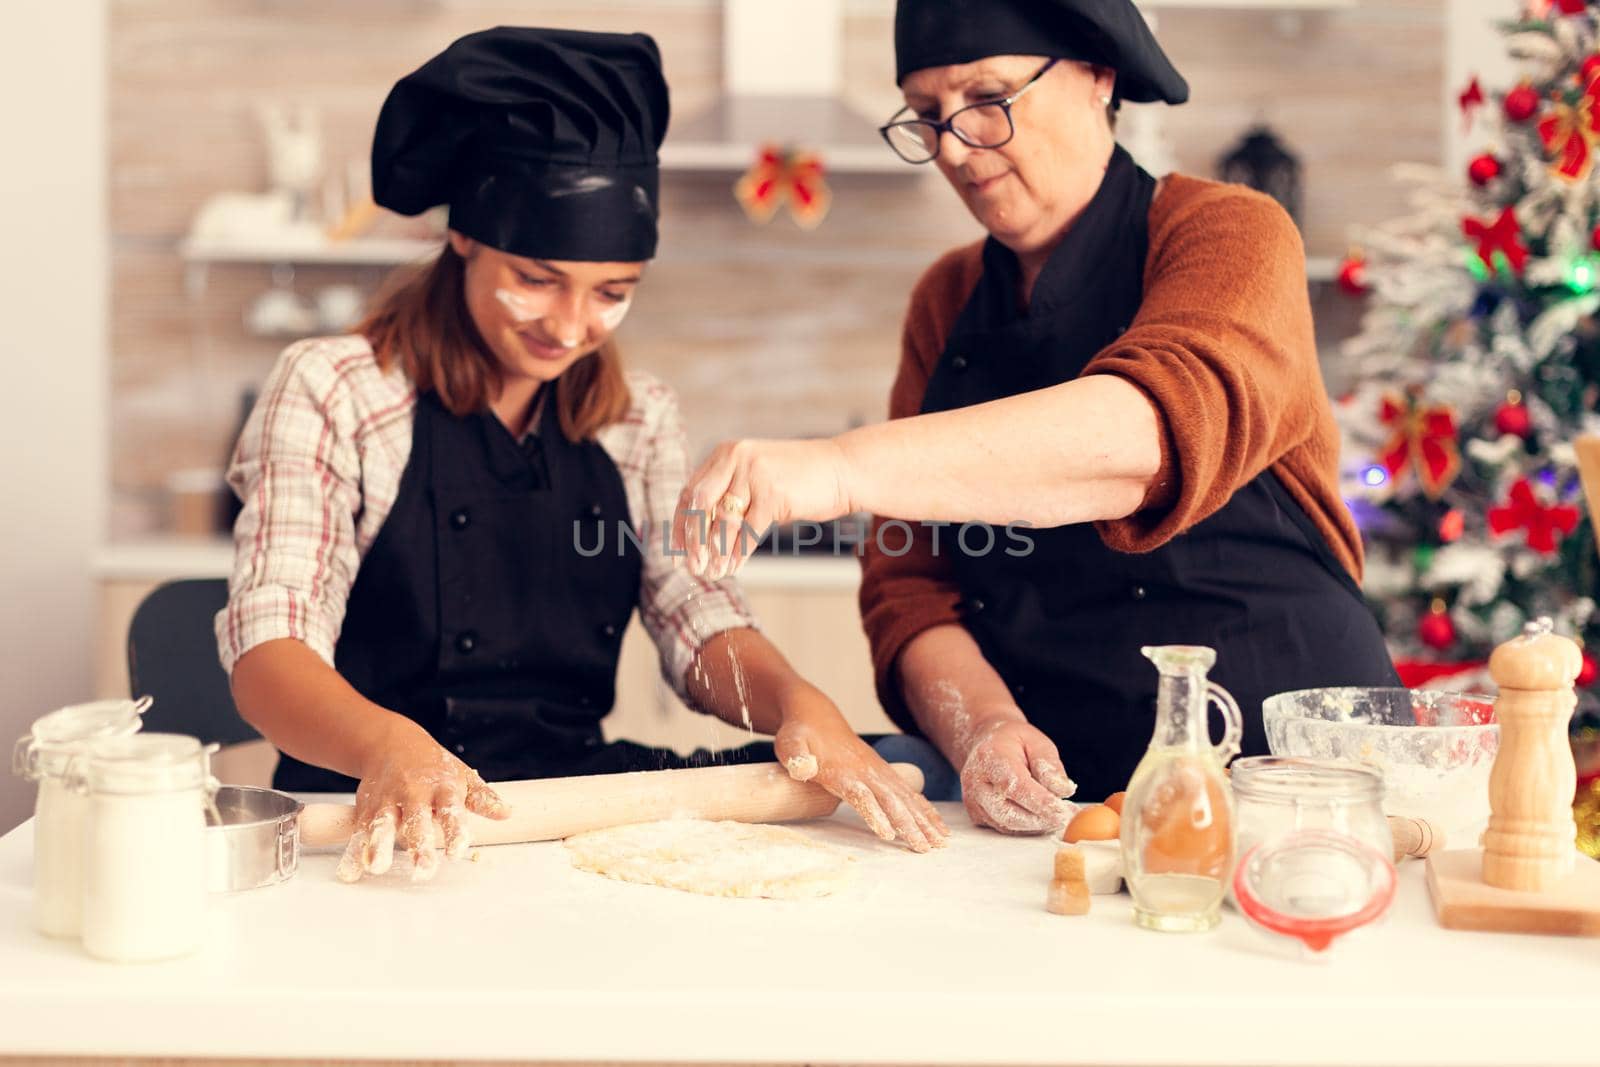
{"x":739,"y":688}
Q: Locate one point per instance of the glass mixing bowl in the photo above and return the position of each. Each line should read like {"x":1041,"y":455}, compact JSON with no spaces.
{"x":1435,"y":749}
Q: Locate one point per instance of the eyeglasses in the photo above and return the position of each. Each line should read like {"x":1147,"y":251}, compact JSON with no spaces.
{"x":985,"y":125}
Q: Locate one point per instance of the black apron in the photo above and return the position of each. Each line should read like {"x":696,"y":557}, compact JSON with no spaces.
{"x":474,"y":615}
{"x":1063,"y":625}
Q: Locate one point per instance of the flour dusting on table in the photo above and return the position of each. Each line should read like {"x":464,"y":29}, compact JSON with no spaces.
{"x":720,"y":859}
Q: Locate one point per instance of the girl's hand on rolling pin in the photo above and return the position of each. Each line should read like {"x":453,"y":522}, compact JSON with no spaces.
{"x":816,"y":744}
{"x":413,"y":794}
{"x":1012,"y":778}
{"x":745,"y":487}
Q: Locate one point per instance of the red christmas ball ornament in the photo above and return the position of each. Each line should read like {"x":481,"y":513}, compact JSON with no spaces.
{"x":1512,"y":418}
{"x":1589,"y":69}
{"x":1353,"y":275}
{"x":1521,"y":103}
{"x":1594,"y":238}
{"x":1436,"y":630}
{"x":1483,"y":170}
{"x":1589,"y":671}
{"x":1452,"y":525}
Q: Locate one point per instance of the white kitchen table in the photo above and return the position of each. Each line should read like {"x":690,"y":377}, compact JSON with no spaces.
{"x":944,"y":958}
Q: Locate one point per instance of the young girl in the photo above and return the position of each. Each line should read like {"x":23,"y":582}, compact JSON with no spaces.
{"x":416,"y":604}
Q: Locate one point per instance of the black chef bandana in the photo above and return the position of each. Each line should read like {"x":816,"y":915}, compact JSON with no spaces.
{"x":543,"y":142}
{"x":1109,"y":33}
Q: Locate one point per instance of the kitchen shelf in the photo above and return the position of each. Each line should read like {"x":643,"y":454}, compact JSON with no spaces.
{"x":298,"y":249}
{"x":357,"y":252}
{"x":725,"y":138}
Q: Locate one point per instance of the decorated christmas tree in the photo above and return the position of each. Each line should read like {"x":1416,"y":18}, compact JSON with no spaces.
{"x":1477,"y":367}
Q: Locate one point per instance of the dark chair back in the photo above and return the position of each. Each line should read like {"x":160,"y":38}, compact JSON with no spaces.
{"x":172,"y":658}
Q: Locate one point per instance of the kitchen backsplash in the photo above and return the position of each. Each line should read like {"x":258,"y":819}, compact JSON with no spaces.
{"x":770,"y":330}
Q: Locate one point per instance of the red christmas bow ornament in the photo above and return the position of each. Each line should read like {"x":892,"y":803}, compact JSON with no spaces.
{"x":1569,"y":133}
{"x":1565,"y":7}
{"x":782,"y":176}
{"x":1424,"y":439}
{"x":1503,"y":235}
{"x":1523,"y":511}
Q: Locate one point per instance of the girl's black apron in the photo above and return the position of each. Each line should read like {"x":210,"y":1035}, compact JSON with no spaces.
{"x":474,"y":615}
{"x":1063,"y":625}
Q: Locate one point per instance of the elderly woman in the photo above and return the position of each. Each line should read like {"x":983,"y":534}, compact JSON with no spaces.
{"x":1126,"y":363}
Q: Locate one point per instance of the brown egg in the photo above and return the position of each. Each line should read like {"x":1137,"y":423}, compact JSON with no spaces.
{"x":1094,"y":823}
{"x":1114,"y":801}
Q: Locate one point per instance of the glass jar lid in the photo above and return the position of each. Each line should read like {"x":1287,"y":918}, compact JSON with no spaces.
{"x":1300,"y":780}
{"x":45,"y":750}
{"x":144,"y":763}
{"x":1314,"y":886}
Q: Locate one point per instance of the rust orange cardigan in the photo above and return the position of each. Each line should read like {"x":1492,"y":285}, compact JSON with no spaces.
{"x":1222,"y":345}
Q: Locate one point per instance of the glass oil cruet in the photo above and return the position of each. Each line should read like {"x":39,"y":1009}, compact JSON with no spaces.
{"x":1177,"y":825}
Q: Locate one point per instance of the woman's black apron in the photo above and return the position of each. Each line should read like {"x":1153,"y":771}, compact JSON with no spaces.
{"x":474,"y":614}
{"x":1064,"y":624}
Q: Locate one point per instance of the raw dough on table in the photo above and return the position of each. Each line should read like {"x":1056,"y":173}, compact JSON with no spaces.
{"x":719,"y":859}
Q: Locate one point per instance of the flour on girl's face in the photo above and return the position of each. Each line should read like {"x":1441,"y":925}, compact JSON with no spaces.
{"x":523,"y":307}
{"x":527,"y":308}
{"x":611,"y":315}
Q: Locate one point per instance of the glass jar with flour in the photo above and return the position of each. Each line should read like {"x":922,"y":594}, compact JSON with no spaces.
{"x":145,"y":870}
{"x":60,"y":814}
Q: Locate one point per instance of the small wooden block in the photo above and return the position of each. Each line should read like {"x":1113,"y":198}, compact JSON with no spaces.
{"x":1463,"y":902}
{"x":1067,"y":898}
{"x":1069,"y":865}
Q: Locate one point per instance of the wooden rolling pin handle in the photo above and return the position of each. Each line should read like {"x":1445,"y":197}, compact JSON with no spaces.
{"x":552,"y":808}
{"x":1414,"y":837}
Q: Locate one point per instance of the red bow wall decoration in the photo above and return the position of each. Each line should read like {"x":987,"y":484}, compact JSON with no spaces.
{"x":1424,"y":439}
{"x":1524,"y":512}
{"x":1542,"y":8}
{"x":1569,"y":133}
{"x":783,"y":176}
{"x":1503,"y":235}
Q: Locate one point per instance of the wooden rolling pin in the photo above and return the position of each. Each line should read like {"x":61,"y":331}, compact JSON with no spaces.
{"x":1414,"y":837}
{"x":552,"y":808}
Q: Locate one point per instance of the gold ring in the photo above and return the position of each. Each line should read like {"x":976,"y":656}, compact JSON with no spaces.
{"x":732,"y":504}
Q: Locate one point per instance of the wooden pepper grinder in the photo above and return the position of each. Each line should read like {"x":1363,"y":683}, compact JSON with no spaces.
{"x":1531,"y":843}
{"x":1529,"y":876}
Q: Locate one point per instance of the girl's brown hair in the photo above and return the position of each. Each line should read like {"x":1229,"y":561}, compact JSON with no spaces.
{"x":422,"y":323}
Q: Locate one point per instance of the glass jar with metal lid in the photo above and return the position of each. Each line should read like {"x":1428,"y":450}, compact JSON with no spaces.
{"x":145,"y":874}
{"x":59,"y":815}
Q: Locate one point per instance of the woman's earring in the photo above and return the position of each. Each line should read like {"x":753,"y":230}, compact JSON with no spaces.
{"x":1104,"y":99}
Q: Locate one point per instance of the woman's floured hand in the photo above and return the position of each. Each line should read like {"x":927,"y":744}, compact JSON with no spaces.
{"x":1012,"y":779}
{"x":816,"y":744}
{"x":746,"y":487}
{"x":415,"y":796}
